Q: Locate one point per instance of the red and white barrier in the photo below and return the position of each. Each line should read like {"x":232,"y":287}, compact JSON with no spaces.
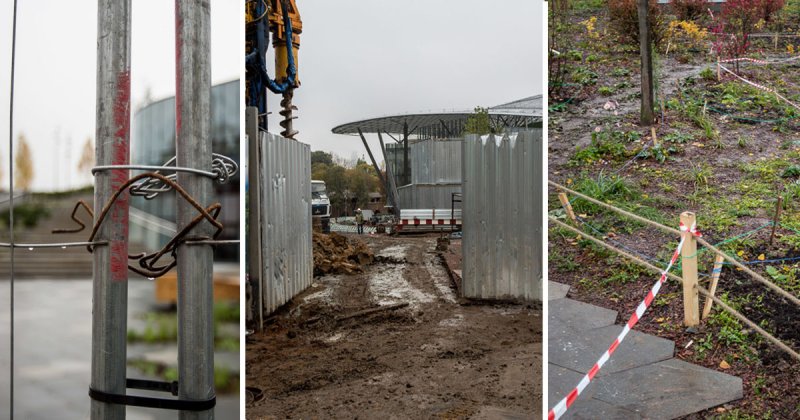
{"x":561,"y":408}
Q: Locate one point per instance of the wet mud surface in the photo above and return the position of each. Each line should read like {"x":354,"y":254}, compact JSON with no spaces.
{"x":396,"y":342}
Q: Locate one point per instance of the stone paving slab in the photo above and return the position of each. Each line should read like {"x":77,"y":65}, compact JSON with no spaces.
{"x":560,"y":381}
{"x":580,"y":352}
{"x":556,"y":290}
{"x":580,"y":316}
{"x":641,"y":380}
{"x":668,"y":389}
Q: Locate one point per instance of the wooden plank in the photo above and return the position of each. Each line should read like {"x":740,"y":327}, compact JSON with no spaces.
{"x":715,"y":273}
{"x":691,"y":299}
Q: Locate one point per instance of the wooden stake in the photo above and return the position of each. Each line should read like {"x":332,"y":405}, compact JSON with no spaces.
{"x":777,"y":219}
{"x":567,"y":207}
{"x":719,"y":70}
{"x":691,"y":300}
{"x":655,"y":138}
{"x":712,"y":288}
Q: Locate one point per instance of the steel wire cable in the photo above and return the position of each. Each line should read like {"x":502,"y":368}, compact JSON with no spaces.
{"x":11,"y":201}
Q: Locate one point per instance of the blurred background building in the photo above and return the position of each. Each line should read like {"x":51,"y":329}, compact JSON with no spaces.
{"x":152,"y":222}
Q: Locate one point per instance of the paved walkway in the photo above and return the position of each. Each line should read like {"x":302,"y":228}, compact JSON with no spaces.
{"x":641,"y":380}
{"x":53,"y":327}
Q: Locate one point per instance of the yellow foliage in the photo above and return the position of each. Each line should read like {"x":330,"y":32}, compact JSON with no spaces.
{"x":589,"y":24}
{"x":790,"y":49}
{"x":687,"y":28}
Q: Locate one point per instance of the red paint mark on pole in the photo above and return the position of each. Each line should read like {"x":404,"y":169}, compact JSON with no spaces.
{"x":178,"y":69}
{"x":121,"y":156}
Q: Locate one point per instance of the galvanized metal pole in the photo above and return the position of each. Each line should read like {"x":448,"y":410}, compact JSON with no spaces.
{"x":193,"y":150}
{"x":406,"y":169}
{"x":110,"y":287}
{"x":253,"y":217}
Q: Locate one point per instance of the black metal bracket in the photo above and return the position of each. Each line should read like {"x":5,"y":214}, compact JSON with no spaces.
{"x":152,"y":402}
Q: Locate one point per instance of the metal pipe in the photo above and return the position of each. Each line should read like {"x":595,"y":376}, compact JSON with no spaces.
{"x":110,"y":285}
{"x":193,"y":150}
{"x":372,"y":158}
{"x":11,"y":211}
{"x":253,"y":217}
{"x":406,"y":170}
{"x":391,"y":186}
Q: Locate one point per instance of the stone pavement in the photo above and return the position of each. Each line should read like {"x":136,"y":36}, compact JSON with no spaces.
{"x":53,"y":328}
{"x":641,"y":380}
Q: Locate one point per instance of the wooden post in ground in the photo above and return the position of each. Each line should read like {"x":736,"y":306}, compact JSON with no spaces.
{"x":646,"y":48}
{"x":712,"y":288}
{"x":655,"y":137}
{"x":567,"y":207}
{"x":691,"y":302}
{"x":777,"y":218}
{"x":719,"y":70}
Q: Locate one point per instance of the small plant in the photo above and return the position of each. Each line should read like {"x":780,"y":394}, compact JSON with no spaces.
{"x":589,"y":25}
{"x":679,"y":137}
{"x":620,"y":71}
{"x":742,"y":142}
{"x":584,"y":76}
{"x":603,"y":187}
{"x":658,"y":153}
{"x":608,"y":145}
{"x":708,"y":74}
{"x":605,"y":90}
{"x":700,"y":175}
{"x":791,"y":172}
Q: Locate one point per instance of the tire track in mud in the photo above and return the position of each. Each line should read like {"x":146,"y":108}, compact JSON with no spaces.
{"x":433,"y":359}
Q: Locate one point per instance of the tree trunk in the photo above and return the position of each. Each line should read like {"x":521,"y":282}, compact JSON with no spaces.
{"x":645,"y":45}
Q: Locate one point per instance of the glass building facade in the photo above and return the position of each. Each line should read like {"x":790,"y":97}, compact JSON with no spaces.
{"x":153,"y":143}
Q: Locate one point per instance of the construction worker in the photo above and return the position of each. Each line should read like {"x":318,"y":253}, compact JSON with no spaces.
{"x":360,"y":221}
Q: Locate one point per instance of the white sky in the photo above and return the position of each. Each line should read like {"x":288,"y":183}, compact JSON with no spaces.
{"x":55,"y":74}
{"x":358,"y":59}
{"x":361,"y":59}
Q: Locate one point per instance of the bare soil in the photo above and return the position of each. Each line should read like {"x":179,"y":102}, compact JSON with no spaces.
{"x":771,"y":378}
{"x":435,"y":357}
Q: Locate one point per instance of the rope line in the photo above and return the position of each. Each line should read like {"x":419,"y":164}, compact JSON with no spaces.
{"x":700,"y":240}
{"x":700,"y":289}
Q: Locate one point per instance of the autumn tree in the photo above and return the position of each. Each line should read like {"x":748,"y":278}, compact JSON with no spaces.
{"x":23,"y":165}
{"x":87,"y":156}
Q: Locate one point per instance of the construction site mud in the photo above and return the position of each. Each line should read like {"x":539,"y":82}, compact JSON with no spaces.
{"x":395,"y":341}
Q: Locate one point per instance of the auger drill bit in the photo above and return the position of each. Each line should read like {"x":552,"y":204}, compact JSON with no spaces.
{"x":286,"y":112}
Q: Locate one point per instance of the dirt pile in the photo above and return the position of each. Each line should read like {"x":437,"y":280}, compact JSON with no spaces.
{"x":336,"y":254}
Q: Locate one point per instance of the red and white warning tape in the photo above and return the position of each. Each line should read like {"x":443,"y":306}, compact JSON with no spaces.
{"x":752,"y":60}
{"x":757,"y":61}
{"x":430,"y":222}
{"x":559,"y":409}
{"x":762,"y":87}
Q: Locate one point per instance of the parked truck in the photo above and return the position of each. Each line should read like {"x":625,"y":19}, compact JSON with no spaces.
{"x":320,"y":205}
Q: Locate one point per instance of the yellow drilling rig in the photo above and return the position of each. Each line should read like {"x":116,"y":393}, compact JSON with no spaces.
{"x":281,"y":19}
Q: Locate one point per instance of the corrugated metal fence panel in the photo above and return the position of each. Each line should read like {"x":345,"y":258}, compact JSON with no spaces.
{"x":436,"y":162}
{"x":502,"y":216}
{"x":427,"y":196}
{"x":287,"y":262}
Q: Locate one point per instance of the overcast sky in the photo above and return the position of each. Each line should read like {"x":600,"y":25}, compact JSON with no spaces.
{"x":56,"y":75}
{"x":358,"y":59}
{"x":361,"y":59}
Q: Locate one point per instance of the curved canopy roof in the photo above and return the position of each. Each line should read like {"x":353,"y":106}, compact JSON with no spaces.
{"x":519,"y":113}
